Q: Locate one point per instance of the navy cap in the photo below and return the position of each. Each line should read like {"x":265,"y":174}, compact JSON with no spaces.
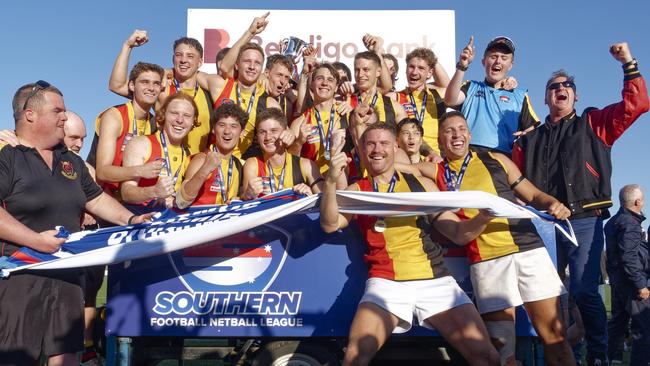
{"x":502,"y":43}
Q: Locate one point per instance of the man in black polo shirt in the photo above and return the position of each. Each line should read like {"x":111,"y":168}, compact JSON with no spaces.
{"x":42,"y":185}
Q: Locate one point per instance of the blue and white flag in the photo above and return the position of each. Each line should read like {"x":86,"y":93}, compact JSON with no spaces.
{"x":172,"y":231}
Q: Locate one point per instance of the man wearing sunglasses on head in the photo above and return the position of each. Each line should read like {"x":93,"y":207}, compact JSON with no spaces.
{"x":569,"y":157}
{"x":42,"y":312}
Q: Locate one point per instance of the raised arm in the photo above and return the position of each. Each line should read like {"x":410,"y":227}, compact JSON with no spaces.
{"x":118,"y":82}
{"x":610,"y":122}
{"x":303,"y":83}
{"x":453,"y":95}
{"x":440,"y":78}
{"x":227,"y":66}
{"x":330,"y":218}
{"x":375,"y":45}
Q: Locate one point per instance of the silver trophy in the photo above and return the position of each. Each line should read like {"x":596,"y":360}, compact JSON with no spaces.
{"x":294,"y":47}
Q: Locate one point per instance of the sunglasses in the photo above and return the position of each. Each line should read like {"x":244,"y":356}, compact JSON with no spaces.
{"x":566,"y":84}
{"x":38,"y":86}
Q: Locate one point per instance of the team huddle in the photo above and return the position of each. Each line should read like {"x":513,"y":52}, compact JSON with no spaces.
{"x":185,"y":137}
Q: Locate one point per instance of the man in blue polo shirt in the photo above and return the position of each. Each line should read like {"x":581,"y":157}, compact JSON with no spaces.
{"x":494,"y":115}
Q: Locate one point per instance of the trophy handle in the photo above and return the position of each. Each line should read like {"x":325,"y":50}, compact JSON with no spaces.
{"x":283,"y":44}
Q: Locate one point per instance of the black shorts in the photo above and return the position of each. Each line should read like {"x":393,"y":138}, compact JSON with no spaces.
{"x":93,"y":277}
{"x":40,"y":314}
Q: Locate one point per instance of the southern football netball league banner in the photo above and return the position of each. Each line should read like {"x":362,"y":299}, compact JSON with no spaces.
{"x":172,"y":231}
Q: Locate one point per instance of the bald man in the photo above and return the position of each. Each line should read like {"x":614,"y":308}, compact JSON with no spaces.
{"x":75,"y":132}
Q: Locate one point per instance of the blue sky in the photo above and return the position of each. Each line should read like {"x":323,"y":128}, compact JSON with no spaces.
{"x":72,"y":44}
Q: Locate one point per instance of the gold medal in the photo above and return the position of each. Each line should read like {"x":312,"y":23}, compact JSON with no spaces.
{"x":380,"y":226}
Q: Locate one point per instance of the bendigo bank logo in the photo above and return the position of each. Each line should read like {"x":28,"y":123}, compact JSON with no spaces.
{"x":216,"y":39}
{"x":248,"y":261}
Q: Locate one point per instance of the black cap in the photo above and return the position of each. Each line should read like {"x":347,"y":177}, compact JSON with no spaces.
{"x":502,"y":43}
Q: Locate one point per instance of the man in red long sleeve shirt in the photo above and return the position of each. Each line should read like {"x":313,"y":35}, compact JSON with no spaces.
{"x":569,"y":157}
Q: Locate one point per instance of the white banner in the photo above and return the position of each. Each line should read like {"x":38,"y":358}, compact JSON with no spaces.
{"x":336,"y":34}
{"x":204,"y":224}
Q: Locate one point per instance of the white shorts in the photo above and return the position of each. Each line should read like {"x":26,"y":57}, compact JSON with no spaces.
{"x":515,"y":279}
{"x":421,"y":298}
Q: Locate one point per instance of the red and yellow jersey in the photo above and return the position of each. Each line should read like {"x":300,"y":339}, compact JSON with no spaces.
{"x":210,"y":192}
{"x":179,"y":159}
{"x":502,"y":236}
{"x":403,"y":251}
{"x":199,"y":136}
{"x":229,"y":95}
{"x":142,"y":126}
{"x":434,"y":109}
{"x":382,"y":104}
{"x":293,"y":174}
{"x":314,"y":148}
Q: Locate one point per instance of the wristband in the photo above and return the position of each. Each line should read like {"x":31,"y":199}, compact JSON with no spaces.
{"x":460,"y":67}
{"x":318,"y":180}
{"x":630,"y":63}
{"x":515,"y":183}
{"x":130,"y":221}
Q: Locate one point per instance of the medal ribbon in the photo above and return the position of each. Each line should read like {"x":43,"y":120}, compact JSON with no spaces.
{"x":453,"y":181}
{"x":372,"y":102}
{"x":177,"y":85}
{"x":272,"y":176}
{"x":219,"y":178}
{"x":168,"y":165}
{"x":327,"y":143}
{"x":419,"y":117}
{"x":250,"y":102}
{"x":391,"y":189}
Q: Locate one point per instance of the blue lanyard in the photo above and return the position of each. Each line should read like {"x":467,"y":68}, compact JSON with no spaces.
{"x":453,"y":181}
{"x":391,"y":185}
{"x":250,"y":102}
{"x":135,"y":122}
{"x":179,"y":89}
{"x":168,"y":165}
{"x":326,"y":142}
{"x":219,"y":178}
{"x":419,"y":117}
{"x":372,"y":103}
{"x":272,"y":176}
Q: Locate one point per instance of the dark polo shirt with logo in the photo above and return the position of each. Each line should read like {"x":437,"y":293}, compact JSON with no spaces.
{"x":42,"y":198}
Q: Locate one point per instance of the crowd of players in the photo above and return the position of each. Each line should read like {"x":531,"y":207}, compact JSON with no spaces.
{"x":251,"y":129}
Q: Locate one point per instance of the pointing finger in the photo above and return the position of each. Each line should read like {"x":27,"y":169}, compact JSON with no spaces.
{"x":265,"y":15}
{"x":471,"y":41}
